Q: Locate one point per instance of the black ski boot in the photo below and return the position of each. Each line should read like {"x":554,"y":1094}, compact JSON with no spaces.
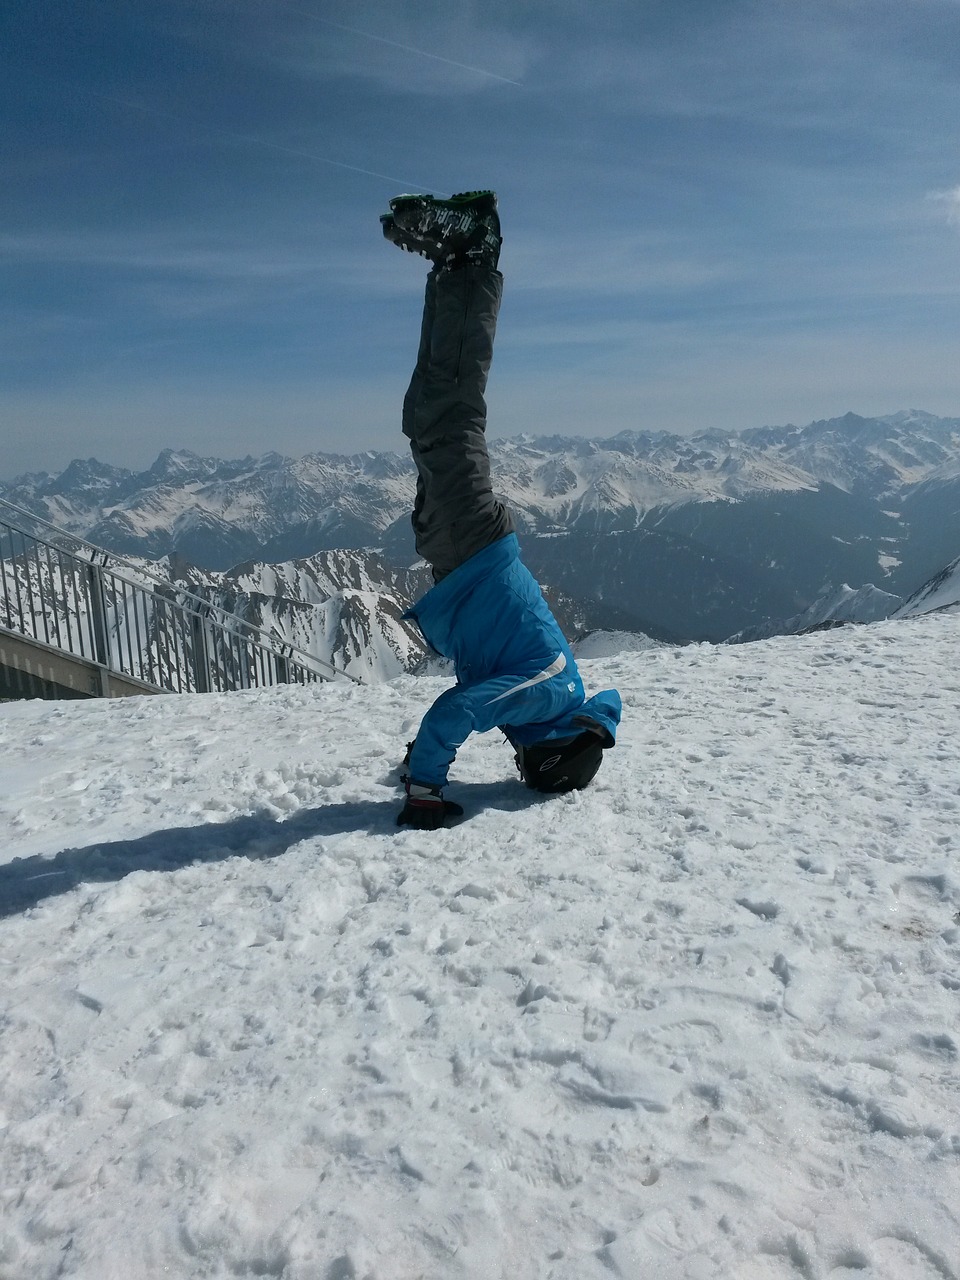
{"x":461,"y":231}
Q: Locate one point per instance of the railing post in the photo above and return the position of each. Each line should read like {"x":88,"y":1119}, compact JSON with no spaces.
{"x":283,"y":666}
{"x":98,"y":614}
{"x":98,"y":617}
{"x":201,"y":658}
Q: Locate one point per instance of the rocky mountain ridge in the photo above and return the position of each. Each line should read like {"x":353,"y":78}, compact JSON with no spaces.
{"x":681,"y":537}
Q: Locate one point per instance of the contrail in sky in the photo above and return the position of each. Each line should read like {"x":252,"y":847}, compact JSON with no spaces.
{"x":252,"y":140}
{"x":407,"y":48}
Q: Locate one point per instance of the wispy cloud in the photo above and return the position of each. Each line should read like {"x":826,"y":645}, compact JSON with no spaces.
{"x":813,"y":68}
{"x":623,"y":265}
{"x":158,"y":251}
{"x":201,"y":261}
{"x":949,"y":202}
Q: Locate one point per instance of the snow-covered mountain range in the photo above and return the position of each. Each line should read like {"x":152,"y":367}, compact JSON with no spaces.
{"x":680,"y":537}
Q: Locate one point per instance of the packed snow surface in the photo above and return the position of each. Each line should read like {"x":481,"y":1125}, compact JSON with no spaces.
{"x":698,"y":1021}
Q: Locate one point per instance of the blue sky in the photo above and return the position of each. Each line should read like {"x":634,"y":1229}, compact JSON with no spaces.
{"x":716,"y":213}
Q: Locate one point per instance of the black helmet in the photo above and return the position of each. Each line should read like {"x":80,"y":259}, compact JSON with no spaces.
{"x":561,"y":764}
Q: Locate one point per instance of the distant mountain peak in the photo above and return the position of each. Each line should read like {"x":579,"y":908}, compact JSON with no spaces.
{"x":175,"y":464}
{"x":85,"y":475}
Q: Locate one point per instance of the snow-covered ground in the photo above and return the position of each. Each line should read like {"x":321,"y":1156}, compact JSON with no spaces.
{"x":699,"y":1021}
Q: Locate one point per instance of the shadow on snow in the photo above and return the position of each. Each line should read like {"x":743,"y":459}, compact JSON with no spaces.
{"x":25,"y":882}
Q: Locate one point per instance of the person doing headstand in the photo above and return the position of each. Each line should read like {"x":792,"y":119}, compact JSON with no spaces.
{"x":514,"y":668}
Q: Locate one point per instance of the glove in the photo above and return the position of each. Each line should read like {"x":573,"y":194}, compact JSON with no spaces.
{"x":406,"y":758}
{"x":426,"y":809}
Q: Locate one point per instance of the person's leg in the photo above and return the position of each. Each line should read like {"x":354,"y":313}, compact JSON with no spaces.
{"x":413,"y":394}
{"x":444,"y":413}
{"x":444,"y":416}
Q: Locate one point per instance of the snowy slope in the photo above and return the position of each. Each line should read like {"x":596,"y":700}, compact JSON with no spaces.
{"x":606,"y":644}
{"x":833,"y":608}
{"x":941,"y":592}
{"x":698,"y":1022}
{"x":344,"y":607}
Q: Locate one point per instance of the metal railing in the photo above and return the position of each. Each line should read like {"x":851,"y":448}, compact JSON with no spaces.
{"x":77,"y":601}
